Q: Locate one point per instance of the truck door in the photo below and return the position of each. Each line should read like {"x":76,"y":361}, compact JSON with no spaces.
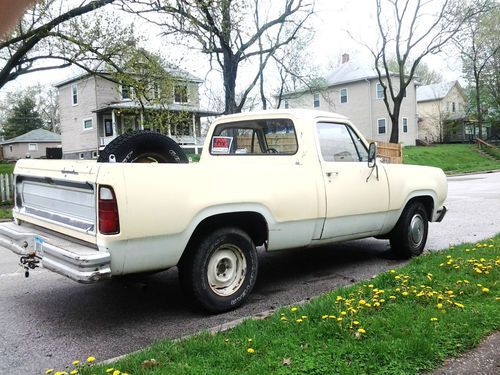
{"x":357,"y":199}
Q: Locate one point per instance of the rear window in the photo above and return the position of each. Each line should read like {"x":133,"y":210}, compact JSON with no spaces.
{"x":255,"y":137}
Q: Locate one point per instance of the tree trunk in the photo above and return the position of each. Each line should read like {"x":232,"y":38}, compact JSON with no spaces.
{"x":230,"y":72}
{"x":395,"y":121}
{"x":478,"y":105}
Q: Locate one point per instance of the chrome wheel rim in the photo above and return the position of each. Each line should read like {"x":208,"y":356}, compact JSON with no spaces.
{"x":417,"y":230}
{"x":226,"y":270}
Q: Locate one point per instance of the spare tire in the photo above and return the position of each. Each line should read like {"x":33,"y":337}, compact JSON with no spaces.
{"x":142,"y":147}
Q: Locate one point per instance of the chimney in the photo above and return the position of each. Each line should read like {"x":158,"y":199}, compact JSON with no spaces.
{"x":345,"y":58}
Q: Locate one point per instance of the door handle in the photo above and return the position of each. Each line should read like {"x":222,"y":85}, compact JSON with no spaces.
{"x":332,"y":174}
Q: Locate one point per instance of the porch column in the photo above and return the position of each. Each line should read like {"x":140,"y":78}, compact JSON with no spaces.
{"x":142,"y":120}
{"x":113,"y":122}
{"x":194,"y":128}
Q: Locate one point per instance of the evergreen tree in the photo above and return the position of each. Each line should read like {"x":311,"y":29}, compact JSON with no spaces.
{"x":23,"y":117}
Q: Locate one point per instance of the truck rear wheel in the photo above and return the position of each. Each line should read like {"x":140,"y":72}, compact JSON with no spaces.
{"x":409,"y":236}
{"x":142,"y":147}
{"x":219,"y":270}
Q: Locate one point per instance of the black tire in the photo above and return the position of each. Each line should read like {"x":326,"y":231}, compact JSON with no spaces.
{"x":409,"y":236}
{"x":218,"y":270}
{"x":142,"y":147}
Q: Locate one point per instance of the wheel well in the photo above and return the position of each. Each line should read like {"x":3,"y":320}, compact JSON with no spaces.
{"x":428,"y":203}
{"x":252,"y":223}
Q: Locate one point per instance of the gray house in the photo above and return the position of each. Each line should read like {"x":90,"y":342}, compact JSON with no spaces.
{"x":32,"y":144}
{"x":94,"y":110}
{"x":353,"y":90}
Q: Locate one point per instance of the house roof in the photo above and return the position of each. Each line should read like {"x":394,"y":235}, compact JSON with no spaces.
{"x":348,"y":72}
{"x":175,"y":72}
{"x":173,"y":107}
{"x":37,"y":135}
{"x":435,"y":91}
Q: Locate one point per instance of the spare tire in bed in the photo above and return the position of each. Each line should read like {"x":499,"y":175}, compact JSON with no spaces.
{"x":142,"y":147}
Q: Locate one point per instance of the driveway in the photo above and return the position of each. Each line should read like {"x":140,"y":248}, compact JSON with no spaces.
{"x":49,"y":321}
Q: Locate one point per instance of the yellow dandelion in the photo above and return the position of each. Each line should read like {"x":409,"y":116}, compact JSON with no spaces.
{"x":356,"y":323}
{"x":294,"y":309}
{"x":324,"y":317}
{"x":439,"y":306}
{"x":376,"y":304}
{"x":49,"y":371}
{"x":392,"y":271}
{"x":331,"y":316}
{"x":299,"y":321}
{"x":343,"y":313}
{"x":362,"y":302}
{"x":485,"y":290}
{"x":116,"y":372}
{"x":283,"y":318}
{"x":109,"y":370}
{"x":370,"y":286}
{"x":74,"y":372}
{"x":459,"y":305}
{"x":361,"y":330}
{"x":404,"y":294}
{"x":392,"y":297}
{"x":434,"y":319}
{"x":90,"y":359}
{"x":304,"y":317}
{"x":76,"y":363}
{"x":250,"y":340}
{"x":339,"y":298}
{"x":250,"y":350}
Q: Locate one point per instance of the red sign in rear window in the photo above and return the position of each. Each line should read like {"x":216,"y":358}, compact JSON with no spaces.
{"x":221,"y":145}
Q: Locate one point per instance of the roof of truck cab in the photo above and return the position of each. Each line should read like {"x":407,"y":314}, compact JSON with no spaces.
{"x":299,"y":113}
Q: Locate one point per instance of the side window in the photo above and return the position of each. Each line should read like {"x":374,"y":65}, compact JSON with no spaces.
{"x":343,"y":95}
{"x":255,"y":137}
{"x":74,"y":94}
{"x":380,"y":91}
{"x":316,"y":102}
{"x":338,"y":142}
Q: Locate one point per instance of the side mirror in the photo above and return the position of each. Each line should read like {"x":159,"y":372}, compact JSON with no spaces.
{"x":372,"y":155}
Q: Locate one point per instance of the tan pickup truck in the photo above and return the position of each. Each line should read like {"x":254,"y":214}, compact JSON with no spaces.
{"x":277,"y":179}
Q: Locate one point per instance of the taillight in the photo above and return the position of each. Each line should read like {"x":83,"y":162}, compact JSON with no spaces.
{"x":109,"y":222}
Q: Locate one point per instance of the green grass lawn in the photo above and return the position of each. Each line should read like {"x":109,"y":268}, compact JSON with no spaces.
{"x":5,"y":211}
{"x":453,"y":159}
{"x":7,"y":168}
{"x":403,"y":321}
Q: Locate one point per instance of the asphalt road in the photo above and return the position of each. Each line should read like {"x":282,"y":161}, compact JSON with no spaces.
{"x":49,"y":321}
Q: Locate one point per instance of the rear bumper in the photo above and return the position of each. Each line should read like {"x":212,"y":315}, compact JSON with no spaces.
{"x":77,"y":260}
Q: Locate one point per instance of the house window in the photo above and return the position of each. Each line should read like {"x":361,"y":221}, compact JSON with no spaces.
{"x":453,"y":107}
{"x":127,"y":92}
{"x":87,"y":124}
{"x":33,"y":147}
{"x":10,"y":148}
{"x":380,"y":91}
{"x":405,"y":125}
{"x":286,"y":103}
{"x":180,"y":94}
{"x":94,"y":154}
{"x":447,"y":107}
{"x":316,"y":100}
{"x":343,"y":95}
{"x":74,"y":94}
{"x":381,"y":125}
{"x":82,"y":155}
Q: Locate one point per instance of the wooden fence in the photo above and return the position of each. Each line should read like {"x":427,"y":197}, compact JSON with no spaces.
{"x":492,"y":150}
{"x":390,"y":152}
{"x":6,"y":187}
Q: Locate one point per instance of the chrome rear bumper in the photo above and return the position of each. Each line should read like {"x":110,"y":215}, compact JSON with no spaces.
{"x":79,"y":261}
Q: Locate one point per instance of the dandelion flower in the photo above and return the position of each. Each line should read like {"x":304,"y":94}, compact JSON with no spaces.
{"x":340,"y":319}
{"x":76,"y":363}
{"x":90,"y":359}
{"x":49,"y":371}
{"x":439,"y":306}
{"x":362,"y":302}
{"x":356,"y":323}
{"x":299,"y":321}
{"x":434,"y":319}
{"x":485,"y":290}
{"x":250,"y":340}
{"x":361,"y":330}
{"x":404,"y":294}
{"x":370,"y":286}
{"x":283,"y":318}
{"x":116,"y":372}
{"x":74,"y":372}
{"x":343,"y":313}
{"x":339,"y":298}
{"x":250,"y":350}
{"x":109,"y":370}
{"x":294,"y":309}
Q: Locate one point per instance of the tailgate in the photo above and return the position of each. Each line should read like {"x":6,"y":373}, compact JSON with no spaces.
{"x":57,"y":194}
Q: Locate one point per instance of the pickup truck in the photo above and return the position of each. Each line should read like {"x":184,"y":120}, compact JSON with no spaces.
{"x":274,"y":179}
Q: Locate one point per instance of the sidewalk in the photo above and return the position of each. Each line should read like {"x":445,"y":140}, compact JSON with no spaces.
{"x":483,"y":360}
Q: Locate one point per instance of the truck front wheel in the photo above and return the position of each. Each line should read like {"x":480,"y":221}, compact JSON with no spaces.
{"x":219,"y":270}
{"x":409,"y":236}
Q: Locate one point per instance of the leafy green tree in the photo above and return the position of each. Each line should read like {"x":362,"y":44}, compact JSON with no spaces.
{"x":22,"y":118}
{"x":480,"y":51}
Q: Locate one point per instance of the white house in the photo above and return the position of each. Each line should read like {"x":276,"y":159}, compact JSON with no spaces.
{"x":354,"y":90}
